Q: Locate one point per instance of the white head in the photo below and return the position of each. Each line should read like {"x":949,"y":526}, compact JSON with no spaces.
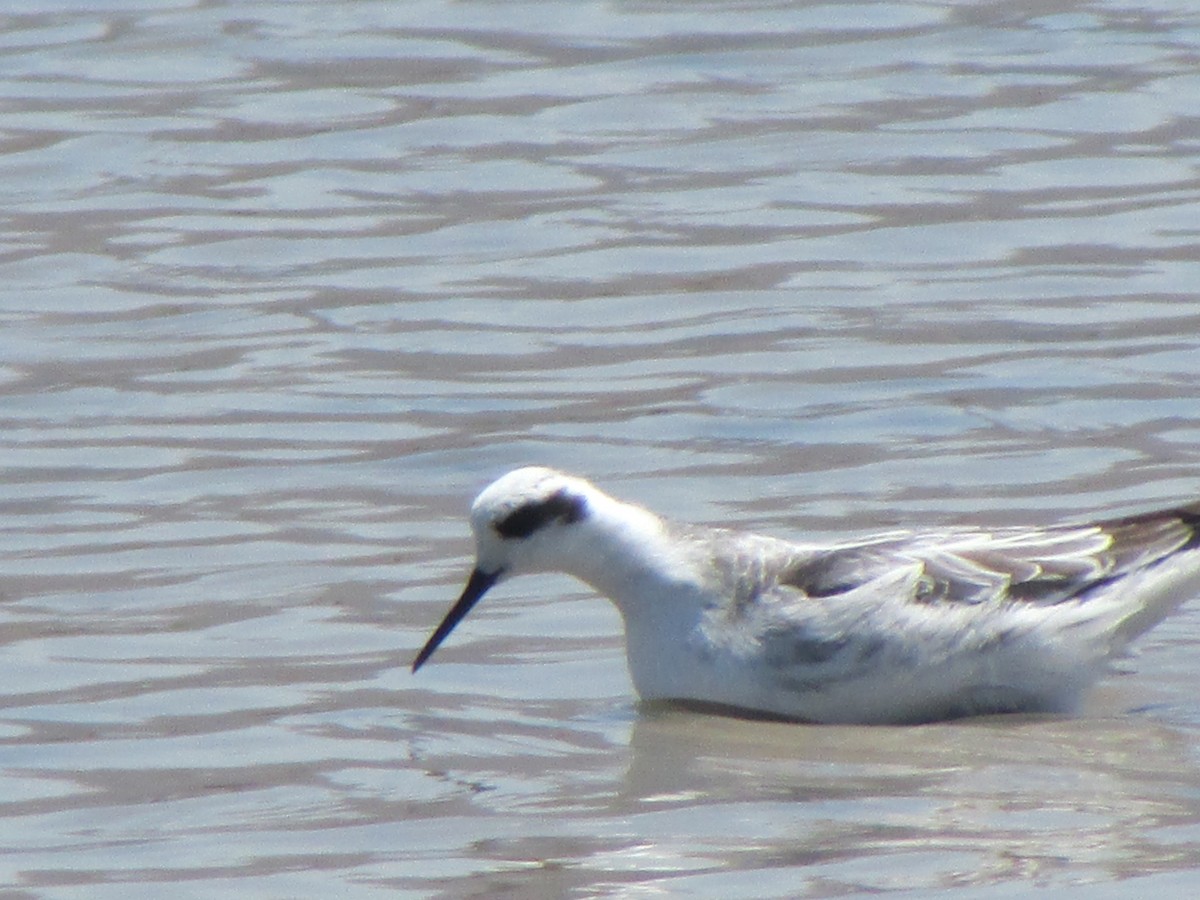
{"x":522,"y":523}
{"x":522,"y":519}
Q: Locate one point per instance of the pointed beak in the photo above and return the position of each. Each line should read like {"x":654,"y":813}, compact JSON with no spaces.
{"x":477,"y":586}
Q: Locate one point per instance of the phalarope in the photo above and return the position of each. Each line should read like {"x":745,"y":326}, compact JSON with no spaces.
{"x":899,"y":627}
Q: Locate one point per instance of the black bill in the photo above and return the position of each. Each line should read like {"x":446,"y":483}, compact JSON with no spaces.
{"x":477,"y":586}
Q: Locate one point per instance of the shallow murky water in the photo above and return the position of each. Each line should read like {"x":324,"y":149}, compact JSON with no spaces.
{"x":284,"y":284}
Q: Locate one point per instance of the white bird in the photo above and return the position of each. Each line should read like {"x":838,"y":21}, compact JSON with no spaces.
{"x":899,"y":627}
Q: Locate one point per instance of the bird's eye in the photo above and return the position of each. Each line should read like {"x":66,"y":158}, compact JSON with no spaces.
{"x":530,"y":517}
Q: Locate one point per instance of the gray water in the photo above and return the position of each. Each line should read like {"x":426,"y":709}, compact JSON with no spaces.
{"x":283,"y":284}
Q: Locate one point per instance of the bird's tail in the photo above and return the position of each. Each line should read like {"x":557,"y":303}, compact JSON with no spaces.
{"x":1143,"y":599}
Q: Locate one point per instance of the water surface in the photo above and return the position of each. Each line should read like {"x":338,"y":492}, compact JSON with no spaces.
{"x":282,"y":285}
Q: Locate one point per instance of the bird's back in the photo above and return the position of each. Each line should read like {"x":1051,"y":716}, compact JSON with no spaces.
{"x":908,"y":627}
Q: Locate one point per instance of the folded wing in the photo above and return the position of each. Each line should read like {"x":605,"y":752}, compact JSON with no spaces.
{"x":1037,"y":566}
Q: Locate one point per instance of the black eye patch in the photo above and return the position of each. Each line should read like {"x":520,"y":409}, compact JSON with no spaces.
{"x":525,"y":520}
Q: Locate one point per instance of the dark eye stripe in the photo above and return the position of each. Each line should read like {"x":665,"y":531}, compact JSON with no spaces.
{"x":525,"y":520}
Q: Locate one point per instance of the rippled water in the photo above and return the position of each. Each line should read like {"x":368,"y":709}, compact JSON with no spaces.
{"x":284,"y":284}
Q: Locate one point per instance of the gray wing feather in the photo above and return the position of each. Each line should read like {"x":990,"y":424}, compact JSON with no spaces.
{"x":1042,"y":566}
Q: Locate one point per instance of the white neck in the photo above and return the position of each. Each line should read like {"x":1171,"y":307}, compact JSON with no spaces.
{"x":622,"y":551}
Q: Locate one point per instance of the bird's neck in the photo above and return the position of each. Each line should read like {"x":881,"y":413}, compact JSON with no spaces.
{"x":626,"y":554}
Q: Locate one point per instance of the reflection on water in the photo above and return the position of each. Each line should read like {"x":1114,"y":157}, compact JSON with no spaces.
{"x":285,"y":284}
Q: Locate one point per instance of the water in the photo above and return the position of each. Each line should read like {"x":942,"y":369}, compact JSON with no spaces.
{"x":284,"y":284}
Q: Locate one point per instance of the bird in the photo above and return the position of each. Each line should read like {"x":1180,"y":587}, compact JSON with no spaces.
{"x":900,"y":627}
